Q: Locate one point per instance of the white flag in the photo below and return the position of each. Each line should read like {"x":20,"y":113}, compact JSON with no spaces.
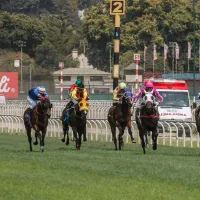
{"x":154,"y":53}
{"x":165,"y":51}
{"x":145,"y":53}
{"x":177,"y":51}
{"x":189,"y":50}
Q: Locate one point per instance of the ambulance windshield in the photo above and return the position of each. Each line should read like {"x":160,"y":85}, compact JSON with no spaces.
{"x":174,"y":99}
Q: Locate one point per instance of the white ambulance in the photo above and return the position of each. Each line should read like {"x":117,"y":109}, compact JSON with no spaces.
{"x":176,"y":100}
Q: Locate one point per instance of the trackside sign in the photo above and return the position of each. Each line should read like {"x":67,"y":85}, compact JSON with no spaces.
{"x":9,"y":85}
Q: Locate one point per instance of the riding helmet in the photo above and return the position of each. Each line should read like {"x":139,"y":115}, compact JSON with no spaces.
{"x":41,"y":89}
{"x":149,"y":84}
{"x":78,"y":82}
{"x":80,"y":85}
{"x":122,"y":85}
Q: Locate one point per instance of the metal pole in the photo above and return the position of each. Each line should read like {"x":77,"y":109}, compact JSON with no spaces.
{"x":173,"y":46}
{"x":136,"y":76}
{"x":194,"y":47}
{"x":116,"y":51}
{"x":21,"y":84}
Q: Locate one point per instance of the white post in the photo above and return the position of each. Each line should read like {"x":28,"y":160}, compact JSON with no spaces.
{"x":61,"y":65}
{"x":21,"y":84}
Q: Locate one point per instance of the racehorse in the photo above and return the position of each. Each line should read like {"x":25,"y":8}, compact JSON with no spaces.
{"x":120,"y":116}
{"x":77,"y":121}
{"x":197,"y":118}
{"x":38,"y":121}
{"x":147,"y":120}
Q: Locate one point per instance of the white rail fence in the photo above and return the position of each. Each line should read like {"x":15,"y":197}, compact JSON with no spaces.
{"x":176,"y":133}
{"x":170,"y":133}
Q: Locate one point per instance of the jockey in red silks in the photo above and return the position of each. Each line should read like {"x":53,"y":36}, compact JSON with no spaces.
{"x":148,"y":88}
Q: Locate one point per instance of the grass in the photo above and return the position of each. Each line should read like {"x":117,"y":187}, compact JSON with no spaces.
{"x":96,"y":172}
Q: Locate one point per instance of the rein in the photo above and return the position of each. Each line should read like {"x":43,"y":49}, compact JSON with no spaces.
{"x":148,"y":116}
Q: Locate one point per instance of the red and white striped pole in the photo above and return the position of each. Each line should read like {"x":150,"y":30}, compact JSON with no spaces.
{"x":136,"y":58}
{"x":61,"y":65}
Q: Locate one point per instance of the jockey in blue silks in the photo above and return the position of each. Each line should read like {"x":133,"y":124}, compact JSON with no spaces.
{"x":35,"y":94}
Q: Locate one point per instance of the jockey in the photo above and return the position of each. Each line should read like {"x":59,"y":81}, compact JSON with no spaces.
{"x":74,"y":92}
{"x":35,"y":94}
{"x":148,"y":88}
{"x":118,"y":92}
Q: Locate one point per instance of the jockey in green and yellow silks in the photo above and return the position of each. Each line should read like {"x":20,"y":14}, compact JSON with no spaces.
{"x":118,"y":92}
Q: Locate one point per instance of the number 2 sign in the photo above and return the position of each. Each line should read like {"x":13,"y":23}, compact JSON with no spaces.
{"x":117,"y":7}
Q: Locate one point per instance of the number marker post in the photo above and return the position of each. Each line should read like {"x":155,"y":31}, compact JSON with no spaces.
{"x":136,"y":58}
{"x":117,"y":8}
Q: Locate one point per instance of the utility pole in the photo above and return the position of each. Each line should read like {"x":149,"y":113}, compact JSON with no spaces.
{"x":194,"y":48}
{"x":21,"y":44}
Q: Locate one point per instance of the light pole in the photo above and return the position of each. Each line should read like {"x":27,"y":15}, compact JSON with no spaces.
{"x":110,"y":46}
{"x":173,"y":45}
{"x":21,"y":44}
{"x":194,"y":48}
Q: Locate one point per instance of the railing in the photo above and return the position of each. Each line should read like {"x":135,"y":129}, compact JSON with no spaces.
{"x":170,"y":133}
{"x":177,"y":133}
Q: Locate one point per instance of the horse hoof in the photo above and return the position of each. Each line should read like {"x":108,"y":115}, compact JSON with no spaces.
{"x":35,"y":143}
{"x":42,"y":149}
{"x":154,"y":147}
{"x":133,"y":141}
{"x":67,"y":143}
{"x":62,"y":140}
{"x":84,"y":139}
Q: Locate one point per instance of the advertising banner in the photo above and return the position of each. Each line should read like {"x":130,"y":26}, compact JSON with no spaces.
{"x":9,"y":85}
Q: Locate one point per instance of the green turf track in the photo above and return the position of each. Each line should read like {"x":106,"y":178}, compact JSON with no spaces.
{"x":96,"y":171}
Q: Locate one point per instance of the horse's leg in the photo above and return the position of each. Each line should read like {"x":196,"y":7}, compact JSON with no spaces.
{"x":42,"y":140}
{"x":130,"y":131}
{"x":146,"y":139}
{"x":113,"y":130}
{"x":67,"y":132}
{"x":28,"y":131}
{"x":141,"y":133}
{"x":76,"y":137}
{"x":36,"y":139}
{"x":84,"y":135}
{"x":154,"y":138}
{"x":120,"y":138}
{"x":64,"y":130}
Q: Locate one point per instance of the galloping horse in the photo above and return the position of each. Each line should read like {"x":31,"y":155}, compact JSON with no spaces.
{"x":120,"y":116}
{"x":38,"y":121}
{"x":77,"y":121}
{"x":197,"y":118}
{"x":147,"y":120}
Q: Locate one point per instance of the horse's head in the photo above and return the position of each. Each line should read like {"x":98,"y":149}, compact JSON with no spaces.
{"x":46,"y":106}
{"x":83,"y":107}
{"x":148,"y":99}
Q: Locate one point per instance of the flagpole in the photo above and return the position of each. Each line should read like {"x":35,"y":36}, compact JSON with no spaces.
{"x":164,"y":60}
{"x":176,"y":68}
{"x":153,"y":59}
